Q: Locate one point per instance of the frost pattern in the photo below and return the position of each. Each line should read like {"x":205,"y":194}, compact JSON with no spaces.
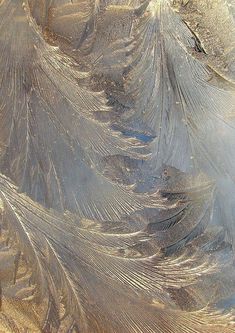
{"x":117,"y":194}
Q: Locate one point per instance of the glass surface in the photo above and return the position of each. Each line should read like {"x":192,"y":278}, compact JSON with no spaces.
{"x":117,"y":166}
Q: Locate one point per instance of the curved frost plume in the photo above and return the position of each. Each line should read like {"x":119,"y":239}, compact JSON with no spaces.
{"x":51,"y":140}
{"x":117,"y":199}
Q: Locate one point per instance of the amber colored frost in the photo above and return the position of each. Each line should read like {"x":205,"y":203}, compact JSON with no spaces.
{"x":117,"y":136}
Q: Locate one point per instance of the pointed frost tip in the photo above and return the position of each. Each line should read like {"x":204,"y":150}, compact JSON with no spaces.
{"x":142,"y":8}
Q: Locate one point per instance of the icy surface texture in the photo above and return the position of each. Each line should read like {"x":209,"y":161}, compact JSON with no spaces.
{"x":117,"y":166}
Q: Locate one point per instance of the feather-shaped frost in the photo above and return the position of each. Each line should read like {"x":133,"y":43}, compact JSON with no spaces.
{"x":116,"y":167}
{"x":50,"y":137}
